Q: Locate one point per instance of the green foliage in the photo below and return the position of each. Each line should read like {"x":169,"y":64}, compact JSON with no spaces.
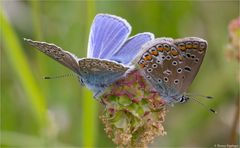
{"x":37,"y":112}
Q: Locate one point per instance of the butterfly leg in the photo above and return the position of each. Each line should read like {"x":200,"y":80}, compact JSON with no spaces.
{"x":97,"y":94}
{"x":81,"y":81}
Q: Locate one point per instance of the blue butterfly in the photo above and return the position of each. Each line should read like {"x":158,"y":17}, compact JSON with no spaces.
{"x":110,"y":52}
{"x":171,"y":65}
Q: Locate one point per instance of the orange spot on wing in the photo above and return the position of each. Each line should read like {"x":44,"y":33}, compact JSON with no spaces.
{"x":155,"y":53}
{"x":188,"y":46}
{"x":167,"y":49}
{"x":142,"y":65}
{"x":195,"y":45}
{"x":182,"y":47}
{"x":148,"y":57}
{"x":174,"y":52}
{"x":160,"y":49}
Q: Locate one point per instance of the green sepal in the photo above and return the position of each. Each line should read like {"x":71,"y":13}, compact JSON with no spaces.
{"x":120,"y":120}
{"x":124,"y":100}
{"x":135,"y":109}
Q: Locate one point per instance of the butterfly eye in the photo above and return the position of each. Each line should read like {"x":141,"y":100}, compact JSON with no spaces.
{"x":182,"y":99}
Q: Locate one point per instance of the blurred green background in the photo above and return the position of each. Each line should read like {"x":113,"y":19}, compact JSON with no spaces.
{"x":38,"y":112}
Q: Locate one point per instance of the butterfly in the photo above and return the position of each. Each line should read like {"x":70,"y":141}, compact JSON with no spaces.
{"x":110,"y":52}
{"x":171,"y":65}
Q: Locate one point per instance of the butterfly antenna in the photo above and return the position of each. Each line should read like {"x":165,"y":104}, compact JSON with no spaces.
{"x":60,"y":76}
{"x":203,"y":105}
{"x":199,"y":95}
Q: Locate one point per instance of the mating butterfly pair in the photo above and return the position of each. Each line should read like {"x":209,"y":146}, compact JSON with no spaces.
{"x":169,"y":65}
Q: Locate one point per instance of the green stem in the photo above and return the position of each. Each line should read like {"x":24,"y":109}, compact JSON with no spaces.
{"x":89,"y":118}
{"x":36,"y":19}
{"x":16,"y":57}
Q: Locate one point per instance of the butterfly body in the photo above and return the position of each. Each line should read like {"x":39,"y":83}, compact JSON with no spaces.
{"x":171,"y":65}
{"x":97,"y":74}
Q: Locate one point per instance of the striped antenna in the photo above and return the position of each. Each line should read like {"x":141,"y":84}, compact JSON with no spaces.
{"x":61,"y":76}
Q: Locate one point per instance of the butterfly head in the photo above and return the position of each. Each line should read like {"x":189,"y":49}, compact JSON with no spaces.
{"x":183,"y":99}
{"x":175,"y":98}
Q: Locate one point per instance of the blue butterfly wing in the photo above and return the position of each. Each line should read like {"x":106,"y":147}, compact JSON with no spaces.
{"x":131,"y":47}
{"x":108,"y":33}
{"x":97,"y":74}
